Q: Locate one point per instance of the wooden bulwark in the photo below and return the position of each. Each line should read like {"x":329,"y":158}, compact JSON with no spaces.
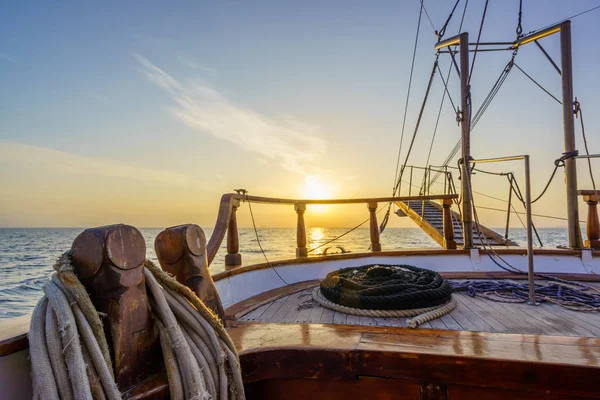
{"x":429,"y":216}
{"x":358,"y":362}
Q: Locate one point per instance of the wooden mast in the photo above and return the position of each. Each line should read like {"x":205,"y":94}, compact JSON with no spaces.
{"x":467,"y":212}
{"x":575,"y":240}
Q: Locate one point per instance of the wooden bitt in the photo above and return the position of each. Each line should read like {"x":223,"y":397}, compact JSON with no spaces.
{"x":233,"y":258}
{"x":592,"y":224}
{"x":181,"y":251}
{"x":448,"y":226}
{"x":109,"y":262}
{"x":301,"y":250}
{"x":374,"y":227}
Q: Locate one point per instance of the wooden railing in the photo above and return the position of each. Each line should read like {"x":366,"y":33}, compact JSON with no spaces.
{"x":592,"y":225}
{"x":230,"y":202}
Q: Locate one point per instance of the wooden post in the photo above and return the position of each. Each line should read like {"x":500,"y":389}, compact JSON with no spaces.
{"x":375,"y":245}
{"x":233,"y":258}
{"x":301,"y":250}
{"x":467,"y":211}
{"x":448,"y":226}
{"x":109,"y":262}
{"x":181,"y":251}
{"x":592,"y":224}
{"x":569,"y":134}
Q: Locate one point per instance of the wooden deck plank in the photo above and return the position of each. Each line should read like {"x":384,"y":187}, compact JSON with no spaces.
{"x":353,"y":320}
{"x":327,"y":316}
{"x":316,"y":315}
{"x":472,"y":314}
{"x":340,"y":318}
{"x":484,"y":314}
{"x":272,"y":309}
{"x":256,"y":314}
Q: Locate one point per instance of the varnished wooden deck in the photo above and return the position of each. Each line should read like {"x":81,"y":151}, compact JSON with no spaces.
{"x":471,"y":314}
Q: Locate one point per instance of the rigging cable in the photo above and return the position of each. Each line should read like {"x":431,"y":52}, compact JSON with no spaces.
{"x":478,"y":40}
{"x":437,"y":121}
{"x":579,"y":112}
{"x":519,"y":29}
{"x":565,"y":19}
{"x":482,"y":109}
{"x":538,"y":84}
{"x":412,"y":67}
{"x":418,"y":124}
{"x":244,"y":192}
{"x":345,"y":233}
{"x":442,"y":31}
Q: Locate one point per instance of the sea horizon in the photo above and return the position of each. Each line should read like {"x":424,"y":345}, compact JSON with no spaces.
{"x":27,"y":254}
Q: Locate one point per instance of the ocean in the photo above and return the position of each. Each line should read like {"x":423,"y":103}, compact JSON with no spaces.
{"x":27,"y":254}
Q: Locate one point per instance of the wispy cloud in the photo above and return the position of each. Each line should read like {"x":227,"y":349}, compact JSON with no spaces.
{"x":7,"y":57}
{"x":12,"y":153}
{"x":294,"y":144}
{"x":197,"y":66}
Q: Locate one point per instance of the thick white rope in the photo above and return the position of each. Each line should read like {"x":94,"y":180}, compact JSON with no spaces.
{"x":200,"y":358}
{"x":421,"y":315}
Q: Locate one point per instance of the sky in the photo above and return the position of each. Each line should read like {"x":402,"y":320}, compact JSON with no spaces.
{"x":146,"y":112}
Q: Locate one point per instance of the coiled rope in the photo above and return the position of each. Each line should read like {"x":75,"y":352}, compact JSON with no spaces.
{"x":387,"y":291}
{"x":70,"y":356}
{"x":573,"y":296}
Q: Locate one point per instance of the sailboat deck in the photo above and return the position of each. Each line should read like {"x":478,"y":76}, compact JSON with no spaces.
{"x":471,"y":314}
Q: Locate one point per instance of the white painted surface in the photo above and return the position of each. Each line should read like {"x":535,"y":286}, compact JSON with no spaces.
{"x":245,"y":285}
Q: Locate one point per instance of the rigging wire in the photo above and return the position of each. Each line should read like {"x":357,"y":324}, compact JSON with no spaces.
{"x":428,"y":17}
{"x":478,"y":40}
{"x":437,"y":121}
{"x":244,"y":192}
{"x":412,"y":67}
{"x":519,"y":29}
{"x":538,"y":84}
{"x":565,"y":19}
{"x":418,"y":124}
{"x":345,"y":233}
{"x":482,"y":109}
{"x":442,"y":31}
{"x":579,"y":112}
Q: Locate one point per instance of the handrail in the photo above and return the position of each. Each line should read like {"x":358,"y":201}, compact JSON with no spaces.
{"x":229,"y":201}
{"x":274,"y":200}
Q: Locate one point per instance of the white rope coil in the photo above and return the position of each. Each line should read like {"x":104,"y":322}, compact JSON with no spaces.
{"x":70,"y":356}
{"x":421,"y":315}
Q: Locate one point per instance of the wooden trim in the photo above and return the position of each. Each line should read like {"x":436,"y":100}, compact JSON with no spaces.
{"x":396,"y":253}
{"x":274,"y":200}
{"x":223,"y":216}
{"x":243,"y":307}
{"x":13,"y":335}
{"x":535,"y":363}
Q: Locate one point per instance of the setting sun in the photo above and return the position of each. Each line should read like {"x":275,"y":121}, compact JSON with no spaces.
{"x":315,"y":188}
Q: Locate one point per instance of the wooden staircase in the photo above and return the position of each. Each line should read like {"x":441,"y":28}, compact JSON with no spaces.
{"x":428,"y":215}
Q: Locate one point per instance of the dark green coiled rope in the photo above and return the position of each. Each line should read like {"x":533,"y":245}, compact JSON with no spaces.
{"x":386,"y":287}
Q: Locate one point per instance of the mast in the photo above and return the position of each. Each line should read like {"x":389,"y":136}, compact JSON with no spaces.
{"x":467,"y":211}
{"x":569,"y":133}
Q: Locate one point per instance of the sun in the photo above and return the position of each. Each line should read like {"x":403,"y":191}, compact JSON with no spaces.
{"x":315,"y":188}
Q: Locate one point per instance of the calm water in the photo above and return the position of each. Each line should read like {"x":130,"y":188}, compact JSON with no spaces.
{"x":27,"y":255}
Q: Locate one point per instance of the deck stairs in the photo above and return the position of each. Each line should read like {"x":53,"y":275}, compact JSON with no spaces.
{"x":428,"y":215}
